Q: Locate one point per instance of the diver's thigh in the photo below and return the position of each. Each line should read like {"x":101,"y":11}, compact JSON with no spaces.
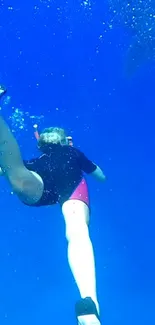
{"x":75,"y":211}
{"x":76,"y":216}
{"x":28,"y":186}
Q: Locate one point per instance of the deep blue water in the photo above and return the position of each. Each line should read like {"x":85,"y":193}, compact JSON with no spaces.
{"x":66,"y":62}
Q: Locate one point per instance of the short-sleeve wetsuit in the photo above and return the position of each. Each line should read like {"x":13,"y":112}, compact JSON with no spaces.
{"x":61,"y":170}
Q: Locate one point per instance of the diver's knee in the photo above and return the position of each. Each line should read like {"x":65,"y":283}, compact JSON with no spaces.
{"x":19,"y":180}
{"x":15,"y":179}
{"x":17,"y":185}
{"x":76,"y":231}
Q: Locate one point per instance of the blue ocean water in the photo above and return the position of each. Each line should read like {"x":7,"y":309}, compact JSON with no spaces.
{"x":87,"y":66}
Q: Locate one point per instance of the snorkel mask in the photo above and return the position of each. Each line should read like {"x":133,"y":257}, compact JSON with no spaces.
{"x":37,"y":135}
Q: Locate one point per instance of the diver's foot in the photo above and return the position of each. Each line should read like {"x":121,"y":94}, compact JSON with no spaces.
{"x":2,"y":90}
{"x":86,"y":312}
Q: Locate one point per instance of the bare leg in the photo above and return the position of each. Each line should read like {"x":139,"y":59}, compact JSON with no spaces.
{"x":80,"y":250}
{"x":26,"y":184}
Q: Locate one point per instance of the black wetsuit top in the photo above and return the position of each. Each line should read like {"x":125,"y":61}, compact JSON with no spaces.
{"x":61,"y":169}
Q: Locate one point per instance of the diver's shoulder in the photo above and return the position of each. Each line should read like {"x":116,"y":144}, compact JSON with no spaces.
{"x":70,"y":148}
{"x":75,"y":151}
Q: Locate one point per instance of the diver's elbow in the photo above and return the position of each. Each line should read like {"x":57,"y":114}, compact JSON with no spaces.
{"x":98,"y":174}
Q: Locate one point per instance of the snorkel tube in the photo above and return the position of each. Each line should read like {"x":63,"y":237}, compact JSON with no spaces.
{"x":37,"y":135}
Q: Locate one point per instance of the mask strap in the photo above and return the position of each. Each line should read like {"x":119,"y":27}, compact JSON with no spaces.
{"x":70,"y":141}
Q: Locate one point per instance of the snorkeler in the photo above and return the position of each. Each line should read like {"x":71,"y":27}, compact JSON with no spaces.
{"x":57,"y":177}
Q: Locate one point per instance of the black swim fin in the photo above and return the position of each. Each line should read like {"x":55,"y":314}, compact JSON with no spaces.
{"x":86,"y":307}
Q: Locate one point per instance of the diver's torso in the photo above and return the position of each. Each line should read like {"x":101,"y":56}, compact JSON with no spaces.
{"x":60,"y":168}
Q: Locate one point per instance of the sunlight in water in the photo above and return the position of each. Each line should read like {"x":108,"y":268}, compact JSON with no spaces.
{"x":139,"y":17}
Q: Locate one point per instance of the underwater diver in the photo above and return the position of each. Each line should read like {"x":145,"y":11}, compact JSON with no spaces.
{"x":56,"y":176}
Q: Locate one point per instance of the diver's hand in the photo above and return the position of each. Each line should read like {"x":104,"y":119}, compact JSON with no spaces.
{"x":98,"y":174}
{"x":3,"y":90}
{"x":1,"y":172}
